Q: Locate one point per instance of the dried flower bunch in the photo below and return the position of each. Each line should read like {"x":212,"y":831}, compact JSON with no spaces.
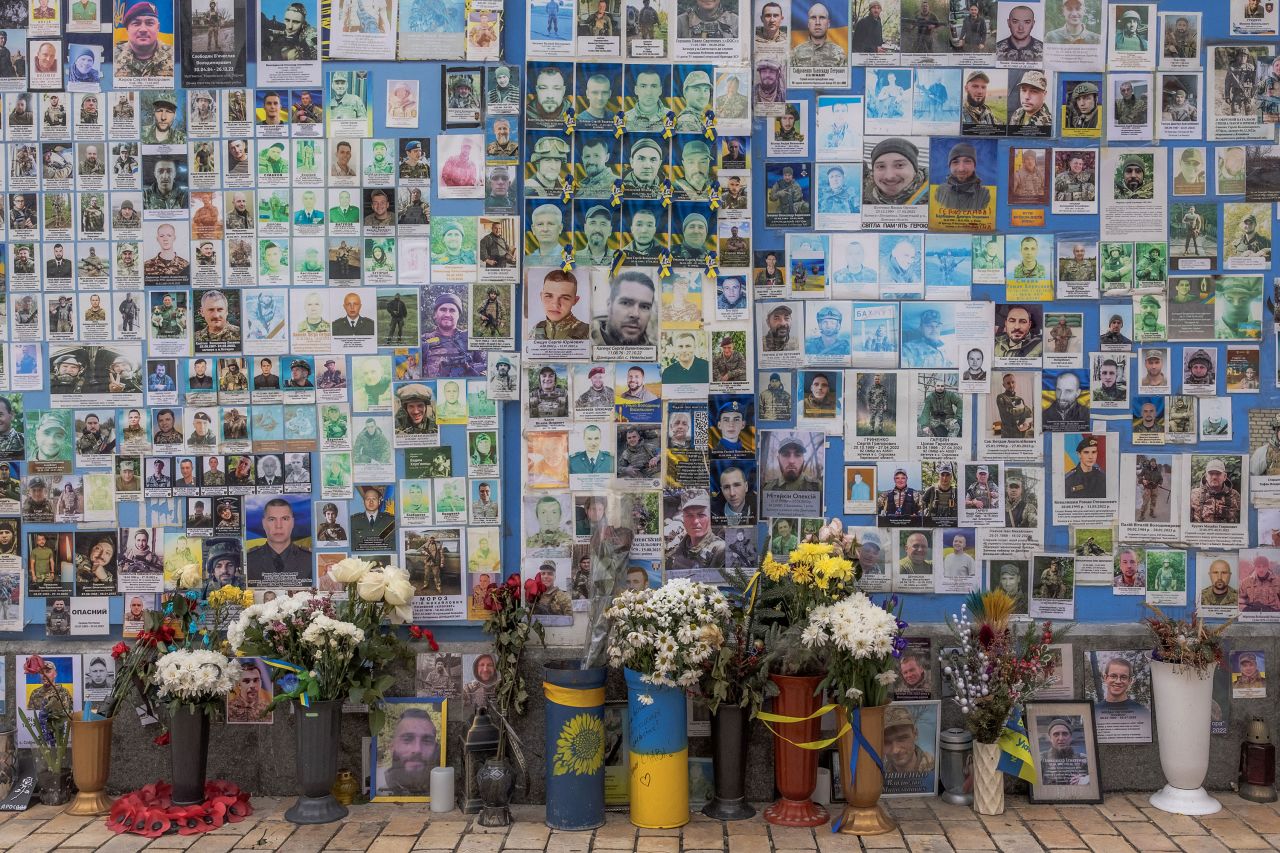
{"x":1183,"y":642}
{"x":995,"y":669}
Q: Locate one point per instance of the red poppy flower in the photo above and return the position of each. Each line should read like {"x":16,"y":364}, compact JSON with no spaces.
{"x":162,"y":739}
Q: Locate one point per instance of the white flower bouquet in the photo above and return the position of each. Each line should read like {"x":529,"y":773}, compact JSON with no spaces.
{"x":341,"y":648}
{"x":860,"y":641}
{"x":667,"y":634}
{"x":195,"y":678}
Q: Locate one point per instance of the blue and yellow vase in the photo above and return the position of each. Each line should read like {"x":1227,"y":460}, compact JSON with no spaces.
{"x":575,"y":745}
{"x":658,"y":729}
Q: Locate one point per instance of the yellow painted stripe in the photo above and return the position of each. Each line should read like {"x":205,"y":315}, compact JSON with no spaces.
{"x":572,"y":697}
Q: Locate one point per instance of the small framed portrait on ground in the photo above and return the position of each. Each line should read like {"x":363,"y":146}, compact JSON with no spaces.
{"x":1065,"y":745}
{"x":410,"y":743}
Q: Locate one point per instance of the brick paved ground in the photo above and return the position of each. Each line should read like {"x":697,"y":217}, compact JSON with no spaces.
{"x":1120,"y":825}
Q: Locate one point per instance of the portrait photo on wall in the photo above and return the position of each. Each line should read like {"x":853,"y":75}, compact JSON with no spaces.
{"x":1065,"y":746}
{"x":410,"y":743}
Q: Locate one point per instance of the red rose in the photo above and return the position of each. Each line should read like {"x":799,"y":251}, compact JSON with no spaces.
{"x":119,"y":650}
{"x":533,"y":588}
{"x":34,"y":665}
{"x":162,"y":740}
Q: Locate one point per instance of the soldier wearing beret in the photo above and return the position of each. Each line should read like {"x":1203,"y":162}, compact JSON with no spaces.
{"x":142,"y":54}
{"x":598,"y":394}
{"x":727,"y":365}
{"x":1088,"y":479}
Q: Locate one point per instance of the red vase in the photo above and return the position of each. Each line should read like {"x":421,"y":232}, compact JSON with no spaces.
{"x":795,"y":770}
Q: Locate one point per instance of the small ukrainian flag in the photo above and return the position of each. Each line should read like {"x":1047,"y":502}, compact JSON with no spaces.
{"x":1015,"y":749}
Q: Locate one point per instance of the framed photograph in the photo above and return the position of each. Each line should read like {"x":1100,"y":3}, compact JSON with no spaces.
{"x":1065,"y":745}
{"x":410,"y":743}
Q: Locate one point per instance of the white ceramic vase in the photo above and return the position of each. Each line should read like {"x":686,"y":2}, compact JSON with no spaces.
{"x":1183,"y":699}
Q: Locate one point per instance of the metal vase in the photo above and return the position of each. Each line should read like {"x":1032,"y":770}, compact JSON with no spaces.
{"x":659,"y":744}
{"x":730,"y":726}
{"x":188,"y":755}
{"x":90,"y":764}
{"x":496,"y":781}
{"x":574,"y":745}
{"x":317,"y":729}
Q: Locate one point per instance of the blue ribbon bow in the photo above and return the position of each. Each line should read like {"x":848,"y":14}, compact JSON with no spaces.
{"x":860,"y":743}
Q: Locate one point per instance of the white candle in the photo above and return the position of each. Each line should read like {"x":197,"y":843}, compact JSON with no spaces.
{"x":822,"y":792}
{"x":442,"y":799}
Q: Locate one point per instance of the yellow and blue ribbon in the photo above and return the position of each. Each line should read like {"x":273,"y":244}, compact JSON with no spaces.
{"x":664,"y":264}
{"x":713,"y":195}
{"x":566,"y":190}
{"x":566,"y":258}
{"x":570,"y":120}
{"x":304,"y":685}
{"x":618,"y":260}
{"x":619,"y":124}
{"x":712,"y":261}
{"x":860,"y":743}
{"x":709,"y":125}
{"x":668,"y":124}
{"x":1016,"y":758}
{"x":666,"y":192}
{"x":615,"y":194}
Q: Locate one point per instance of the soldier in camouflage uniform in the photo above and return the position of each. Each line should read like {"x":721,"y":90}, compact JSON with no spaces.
{"x":735,"y":196}
{"x":1082,"y":109}
{"x":213,"y":310}
{"x":445,"y":352}
{"x":1133,"y":181}
{"x":549,"y":400}
{"x":699,"y":547}
{"x":1150,"y":478}
{"x":976,"y":111}
{"x":787,"y":130}
{"x":697,"y":97}
{"x":417,"y":414}
{"x":163,"y":193}
{"x":1214,"y":501}
{"x":638,"y":458}
{"x":1265,"y":461}
{"x":940,"y":503}
{"x":598,"y":395}
{"x":1180,"y":414}
{"x":728,"y":365}
{"x":1129,"y":108}
{"x":413,"y":165}
{"x":877,"y":405}
{"x":1015,"y":415}
{"x":1020,"y":508}
{"x":786,"y":194}
{"x":503,"y":380}
{"x":143,"y":54}
{"x":1076,"y":183}
{"x":1032,"y":111}
{"x":549,"y":514}
{"x":942,"y":414}
{"x":706,"y":20}
{"x":775,"y":403}
{"x":817,"y":51}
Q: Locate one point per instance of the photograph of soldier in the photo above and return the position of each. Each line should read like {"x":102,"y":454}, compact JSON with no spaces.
{"x":1180,"y":99}
{"x":1021,"y":506}
{"x":894,"y":174}
{"x":940,"y":502}
{"x":692,"y":545}
{"x":941,"y":412}
{"x":920,"y":24}
{"x":823,"y":44}
{"x":1218,"y":591}
{"x":899,"y":505}
{"x":984,"y":108}
{"x":1181,"y":35}
{"x":705,"y":19}
{"x":639,"y":452}
{"x":646,"y":105}
{"x":548,"y":94}
{"x":1148,"y":416}
{"x":1237,"y":302}
{"x":910,"y":747}
{"x":877,"y":404}
{"x":775,"y":397}
{"x":788,"y":195}
{"x":1019,"y":333}
{"x":1214,"y":498}
{"x":1028,"y":176}
{"x":1019,"y":43}
{"x":1085,"y":474}
{"x":1065,"y":401}
{"x":1033,"y":117}
{"x":1259,"y":583}
{"x":142,"y":55}
{"x":627,"y":318}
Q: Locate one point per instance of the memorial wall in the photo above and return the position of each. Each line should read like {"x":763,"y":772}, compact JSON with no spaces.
{"x":456,"y":286}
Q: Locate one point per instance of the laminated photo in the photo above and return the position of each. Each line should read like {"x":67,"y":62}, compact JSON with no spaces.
{"x":1214,"y":515}
{"x":1086,"y":478}
{"x":942,"y":416}
{"x":1218,"y":584}
{"x":985,"y":103}
{"x":819,"y":46}
{"x":1235,"y":112}
{"x":1181,"y":49}
{"x":1093,"y":548}
{"x":1074,"y":35}
{"x":1121,"y":685}
{"x":911,"y":733}
{"x":875,"y":32}
{"x":1011,"y":422}
{"x":1132,"y":46}
{"x":959,"y":568}
{"x":1053,"y":590}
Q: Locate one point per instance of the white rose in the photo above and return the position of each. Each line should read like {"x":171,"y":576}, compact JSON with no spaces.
{"x":349,"y":570}
{"x":372,"y":587}
{"x":399,"y":591}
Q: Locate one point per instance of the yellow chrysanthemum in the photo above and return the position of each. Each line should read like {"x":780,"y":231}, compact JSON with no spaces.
{"x":809,"y":551}
{"x":580,"y":747}
{"x":772,"y":569}
{"x":801,"y":573}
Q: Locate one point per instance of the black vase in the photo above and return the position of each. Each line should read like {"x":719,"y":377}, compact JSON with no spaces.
{"x":496,"y":781}
{"x":317,"y":759}
{"x":188,"y":755}
{"x":730,"y":725}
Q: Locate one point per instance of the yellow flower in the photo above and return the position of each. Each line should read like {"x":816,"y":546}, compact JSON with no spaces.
{"x":801,"y":573}
{"x":580,"y":747}
{"x":772,"y":569}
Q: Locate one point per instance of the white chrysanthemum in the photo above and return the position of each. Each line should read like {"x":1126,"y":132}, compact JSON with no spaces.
{"x":195,"y":676}
{"x":350,"y":570}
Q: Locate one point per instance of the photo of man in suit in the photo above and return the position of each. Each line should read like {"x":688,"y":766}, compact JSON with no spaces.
{"x":373,"y":528}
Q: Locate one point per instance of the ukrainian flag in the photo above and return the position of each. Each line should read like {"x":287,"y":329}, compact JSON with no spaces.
{"x":1015,"y":749}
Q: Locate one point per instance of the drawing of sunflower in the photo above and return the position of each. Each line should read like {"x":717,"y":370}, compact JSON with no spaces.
{"x":580,"y":747}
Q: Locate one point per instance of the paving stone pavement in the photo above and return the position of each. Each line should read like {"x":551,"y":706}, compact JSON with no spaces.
{"x":1124,"y":823}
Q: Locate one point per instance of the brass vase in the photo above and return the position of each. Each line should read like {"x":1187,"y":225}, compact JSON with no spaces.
{"x":864,"y":814}
{"x":90,"y":764}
